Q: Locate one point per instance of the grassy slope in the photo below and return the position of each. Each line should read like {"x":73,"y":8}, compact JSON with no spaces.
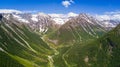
{"x":103,"y":52}
{"x":18,"y":43}
{"x":72,"y":39}
{"x":69,"y":33}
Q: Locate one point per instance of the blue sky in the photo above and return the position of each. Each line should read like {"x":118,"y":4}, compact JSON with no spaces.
{"x":56,"y":6}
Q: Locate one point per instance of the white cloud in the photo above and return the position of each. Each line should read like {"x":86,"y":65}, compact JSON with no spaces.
{"x":115,"y":12}
{"x":30,"y":11}
{"x":9,"y":11}
{"x":71,"y":1}
{"x":70,"y":14}
{"x":67,"y":3}
{"x":116,"y":17}
{"x":56,"y":15}
{"x":109,"y":16}
{"x":16,"y":11}
{"x":103,"y":17}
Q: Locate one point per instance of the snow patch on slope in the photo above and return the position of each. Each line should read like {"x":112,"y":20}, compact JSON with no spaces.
{"x":20,"y":19}
{"x":62,"y":18}
{"x":71,"y":14}
{"x":34,"y":18}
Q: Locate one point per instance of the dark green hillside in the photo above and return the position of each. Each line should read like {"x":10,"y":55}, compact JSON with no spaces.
{"x":103,"y":52}
{"x":19,"y":46}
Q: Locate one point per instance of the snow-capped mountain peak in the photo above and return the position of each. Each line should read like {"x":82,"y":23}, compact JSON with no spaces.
{"x":43,"y":14}
{"x":109,"y":20}
{"x":62,"y":18}
{"x":20,"y":19}
{"x":41,"y":20}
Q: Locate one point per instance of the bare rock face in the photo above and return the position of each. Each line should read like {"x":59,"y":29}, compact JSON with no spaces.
{"x":37,"y":22}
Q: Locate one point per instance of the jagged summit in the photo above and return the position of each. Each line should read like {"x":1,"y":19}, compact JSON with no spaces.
{"x":58,"y":18}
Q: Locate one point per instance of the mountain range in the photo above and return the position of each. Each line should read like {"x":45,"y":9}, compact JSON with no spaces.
{"x":58,"y":40}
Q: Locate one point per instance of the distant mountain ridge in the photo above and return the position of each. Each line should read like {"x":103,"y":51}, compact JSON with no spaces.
{"x":58,"y":19}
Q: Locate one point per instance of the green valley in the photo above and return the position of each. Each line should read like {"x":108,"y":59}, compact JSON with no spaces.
{"x":77,"y":43}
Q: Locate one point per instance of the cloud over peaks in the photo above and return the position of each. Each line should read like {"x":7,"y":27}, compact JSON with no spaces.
{"x":109,"y":16}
